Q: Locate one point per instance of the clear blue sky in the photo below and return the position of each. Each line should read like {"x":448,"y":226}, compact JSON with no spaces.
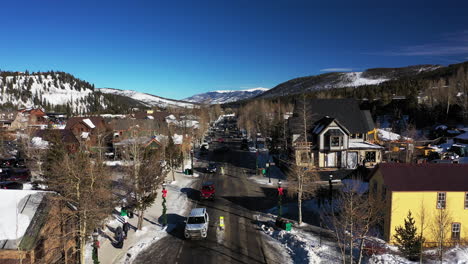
{"x":178,"y":48}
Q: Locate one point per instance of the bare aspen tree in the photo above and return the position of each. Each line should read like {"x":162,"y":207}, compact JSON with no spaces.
{"x":143,"y":177}
{"x":440,"y":228}
{"x":84,"y":185}
{"x":355,"y":216}
{"x":303,"y":183}
{"x":422,"y":215}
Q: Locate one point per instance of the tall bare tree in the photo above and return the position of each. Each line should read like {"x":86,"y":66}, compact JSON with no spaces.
{"x":83,"y":184}
{"x":144,"y":176}
{"x":440,"y":228}
{"x":352,"y":218}
{"x":303,"y":183}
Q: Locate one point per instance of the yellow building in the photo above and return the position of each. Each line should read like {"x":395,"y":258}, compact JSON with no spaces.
{"x":434,"y":191}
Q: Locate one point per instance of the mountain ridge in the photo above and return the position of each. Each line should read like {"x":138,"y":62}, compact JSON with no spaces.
{"x":226,"y":96}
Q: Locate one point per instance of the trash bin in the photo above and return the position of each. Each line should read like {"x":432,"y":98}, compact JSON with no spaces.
{"x":288,"y":227}
{"x":189,"y":172}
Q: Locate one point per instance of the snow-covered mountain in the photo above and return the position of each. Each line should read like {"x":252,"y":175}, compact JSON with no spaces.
{"x":148,"y":99}
{"x":225,"y":96}
{"x":345,"y":79}
{"x":56,"y":91}
{"x":62,"y":92}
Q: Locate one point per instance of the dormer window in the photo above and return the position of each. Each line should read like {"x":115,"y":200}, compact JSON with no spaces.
{"x":336,"y":141}
{"x":335,"y":138}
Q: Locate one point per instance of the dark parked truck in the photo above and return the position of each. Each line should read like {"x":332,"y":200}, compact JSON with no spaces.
{"x":207,"y":191}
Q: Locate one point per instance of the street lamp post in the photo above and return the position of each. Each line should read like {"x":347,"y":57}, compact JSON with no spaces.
{"x":280,"y":196}
{"x":95,"y":236}
{"x":268,"y":171}
{"x":256,"y":162}
{"x":191,"y":156}
{"x":331,"y":188}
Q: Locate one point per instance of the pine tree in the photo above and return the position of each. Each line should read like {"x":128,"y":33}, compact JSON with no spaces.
{"x":407,"y":239}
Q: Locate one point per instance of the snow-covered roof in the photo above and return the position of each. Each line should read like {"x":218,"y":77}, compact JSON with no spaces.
{"x":84,"y":135}
{"x":385,"y":135}
{"x":463,"y":136}
{"x":178,"y":139}
{"x":89,"y":123}
{"x":38,"y":142}
{"x":18,"y":208}
{"x":363,"y":145}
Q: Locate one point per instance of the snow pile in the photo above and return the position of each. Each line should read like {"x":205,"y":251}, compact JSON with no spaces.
{"x":388,"y":259}
{"x":304,"y":247}
{"x":39,"y":143}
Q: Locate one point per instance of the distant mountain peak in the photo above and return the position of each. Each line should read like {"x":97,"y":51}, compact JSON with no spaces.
{"x":226,"y":96}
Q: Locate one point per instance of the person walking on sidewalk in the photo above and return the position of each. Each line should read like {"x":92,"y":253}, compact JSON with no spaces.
{"x":119,"y":237}
{"x":126,"y":227}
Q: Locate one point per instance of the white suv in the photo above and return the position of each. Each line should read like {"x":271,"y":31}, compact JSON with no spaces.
{"x":196,"y":224}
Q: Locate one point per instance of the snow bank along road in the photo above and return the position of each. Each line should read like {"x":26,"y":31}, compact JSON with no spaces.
{"x":236,"y":200}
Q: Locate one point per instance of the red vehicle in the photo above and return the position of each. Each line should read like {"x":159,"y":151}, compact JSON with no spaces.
{"x":207,"y":191}
{"x":220,"y":140}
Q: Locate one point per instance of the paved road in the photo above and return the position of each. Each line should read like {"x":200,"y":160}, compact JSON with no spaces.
{"x":237,"y":200}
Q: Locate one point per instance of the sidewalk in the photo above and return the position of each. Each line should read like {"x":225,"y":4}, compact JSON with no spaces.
{"x":273,"y":173}
{"x":177,"y":203}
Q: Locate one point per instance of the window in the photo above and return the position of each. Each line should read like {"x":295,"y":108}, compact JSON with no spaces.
{"x":456,"y":231}
{"x":384,"y":192}
{"x":305,"y":157}
{"x":441,"y":198}
{"x":374,"y":189}
{"x":336,"y":141}
{"x":370,"y":156}
{"x":466,"y":200}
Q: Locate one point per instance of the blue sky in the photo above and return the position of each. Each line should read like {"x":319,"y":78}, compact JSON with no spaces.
{"x":179,"y":48}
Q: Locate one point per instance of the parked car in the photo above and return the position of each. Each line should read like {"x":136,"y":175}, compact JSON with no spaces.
{"x":208,"y":191}
{"x":11,"y":185}
{"x":196,"y":225}
{"x":7,"y":163}
{"x":21,"y":175}
{"x":220,"y":140}
{"x":211,"y":167}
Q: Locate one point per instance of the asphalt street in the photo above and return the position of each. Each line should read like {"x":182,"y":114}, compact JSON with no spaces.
{"x":237,"y":200}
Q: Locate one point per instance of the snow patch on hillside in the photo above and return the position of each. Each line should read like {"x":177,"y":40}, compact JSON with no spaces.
{"x":148,"y":99}
{"x":352,"y":79}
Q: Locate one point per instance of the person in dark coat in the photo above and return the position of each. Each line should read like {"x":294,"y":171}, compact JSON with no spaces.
{"x":126,"y":227}
{"x":119,"y":237}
